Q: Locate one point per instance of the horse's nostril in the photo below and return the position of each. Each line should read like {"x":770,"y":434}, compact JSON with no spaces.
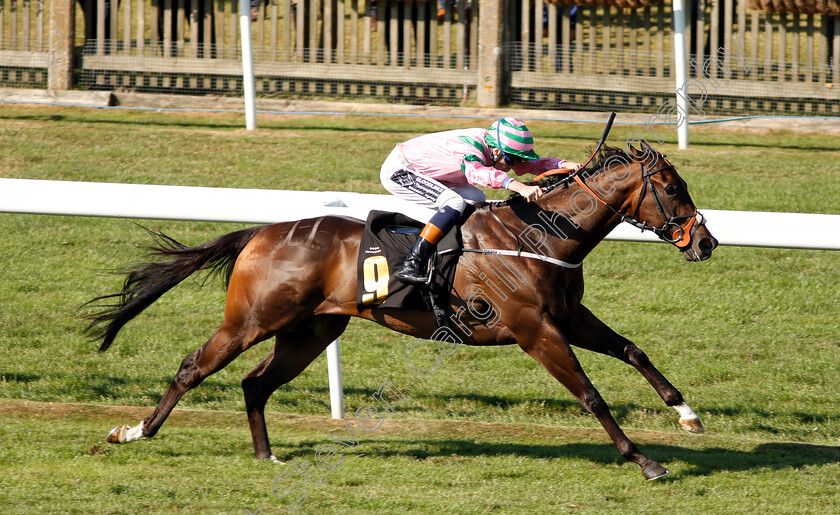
{"x":707,"y":244}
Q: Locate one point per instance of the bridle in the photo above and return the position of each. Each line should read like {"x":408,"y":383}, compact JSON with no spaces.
{"x":676,"y":229}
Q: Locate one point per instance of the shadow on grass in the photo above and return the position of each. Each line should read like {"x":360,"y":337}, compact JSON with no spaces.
{"x":19,"y":378}
{"x":484,"y":401}
{"x":702,"y":462}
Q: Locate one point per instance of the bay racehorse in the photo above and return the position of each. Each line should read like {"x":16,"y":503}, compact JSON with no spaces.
{"x":296,"y":282}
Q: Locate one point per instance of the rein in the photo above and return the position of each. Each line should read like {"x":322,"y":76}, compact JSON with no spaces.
{"x":679,"y":236}
{"x":672,"y":230}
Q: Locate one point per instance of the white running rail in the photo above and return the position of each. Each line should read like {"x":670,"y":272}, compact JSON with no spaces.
{"x":744,"y":228}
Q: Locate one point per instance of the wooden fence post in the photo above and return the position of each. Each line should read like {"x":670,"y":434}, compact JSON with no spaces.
{"x":62,"y":38}
{"x":490,"y":46}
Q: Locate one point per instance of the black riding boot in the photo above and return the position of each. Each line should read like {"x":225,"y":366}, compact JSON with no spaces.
{"x":413,"y":270}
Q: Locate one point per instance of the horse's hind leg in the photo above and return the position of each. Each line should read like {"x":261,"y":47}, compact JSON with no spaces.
{"x":588,"y":332}
{"x":221,"y":349}
{"x":294,"y":351}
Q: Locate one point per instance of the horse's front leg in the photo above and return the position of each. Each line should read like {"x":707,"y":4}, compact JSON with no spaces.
{"x":549,"y":347}
{"x":588,"y":332}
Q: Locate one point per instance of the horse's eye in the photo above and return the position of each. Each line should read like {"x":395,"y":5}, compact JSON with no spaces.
{"x":670,"y":189}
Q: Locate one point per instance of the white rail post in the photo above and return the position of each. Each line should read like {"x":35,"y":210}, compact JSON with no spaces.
{"x":336,"y":386}
{"x":247,"y":65}
{"x":680,"y":71}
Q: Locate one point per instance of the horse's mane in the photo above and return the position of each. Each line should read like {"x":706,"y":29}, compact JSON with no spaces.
{"x":604,"y":154}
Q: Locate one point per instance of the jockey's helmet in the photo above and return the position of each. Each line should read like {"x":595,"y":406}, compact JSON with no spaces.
{"x":511,"y":137}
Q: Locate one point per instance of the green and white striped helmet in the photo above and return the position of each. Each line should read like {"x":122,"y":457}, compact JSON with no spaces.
{"x":514,"y":137}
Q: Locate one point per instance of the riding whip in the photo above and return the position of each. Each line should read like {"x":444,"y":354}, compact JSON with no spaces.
{"x":603,"y":139}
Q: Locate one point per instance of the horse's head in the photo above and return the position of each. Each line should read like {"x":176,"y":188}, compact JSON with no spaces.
{"x":665,"y":207}
{"x":642,"y":188}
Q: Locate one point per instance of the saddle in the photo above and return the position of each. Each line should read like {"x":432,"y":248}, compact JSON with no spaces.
{"x":386,"y":241}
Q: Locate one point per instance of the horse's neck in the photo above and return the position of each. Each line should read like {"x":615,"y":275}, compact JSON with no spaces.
{"x":566,"y":223}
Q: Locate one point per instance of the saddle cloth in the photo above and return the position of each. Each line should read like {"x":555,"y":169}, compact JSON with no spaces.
{"x":386,"y":241}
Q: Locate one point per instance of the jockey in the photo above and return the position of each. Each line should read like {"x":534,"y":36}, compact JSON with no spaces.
{"x":441,"y":170}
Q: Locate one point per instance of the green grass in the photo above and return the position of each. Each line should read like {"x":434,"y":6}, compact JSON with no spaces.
{"x":201,"y":464}
{"x":750,"y":338}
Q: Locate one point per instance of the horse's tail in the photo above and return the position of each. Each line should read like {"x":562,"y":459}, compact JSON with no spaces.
{"x":148,"y":281}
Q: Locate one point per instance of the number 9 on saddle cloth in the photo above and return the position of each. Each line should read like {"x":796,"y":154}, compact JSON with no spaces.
{"x":386,"y":240}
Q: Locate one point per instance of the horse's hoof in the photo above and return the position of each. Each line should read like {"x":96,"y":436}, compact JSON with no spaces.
{"x":125,"y":434}
{"x":654,"y":471}
{"x":117,"y":435}
{"x":692,"y":425}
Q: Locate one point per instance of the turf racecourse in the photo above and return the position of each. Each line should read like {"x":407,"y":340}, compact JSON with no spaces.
{"x":201,"y":465}
{"x":750,"y":337}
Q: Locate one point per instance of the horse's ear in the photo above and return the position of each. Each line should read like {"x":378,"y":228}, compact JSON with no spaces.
{"x":643,"y":153}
